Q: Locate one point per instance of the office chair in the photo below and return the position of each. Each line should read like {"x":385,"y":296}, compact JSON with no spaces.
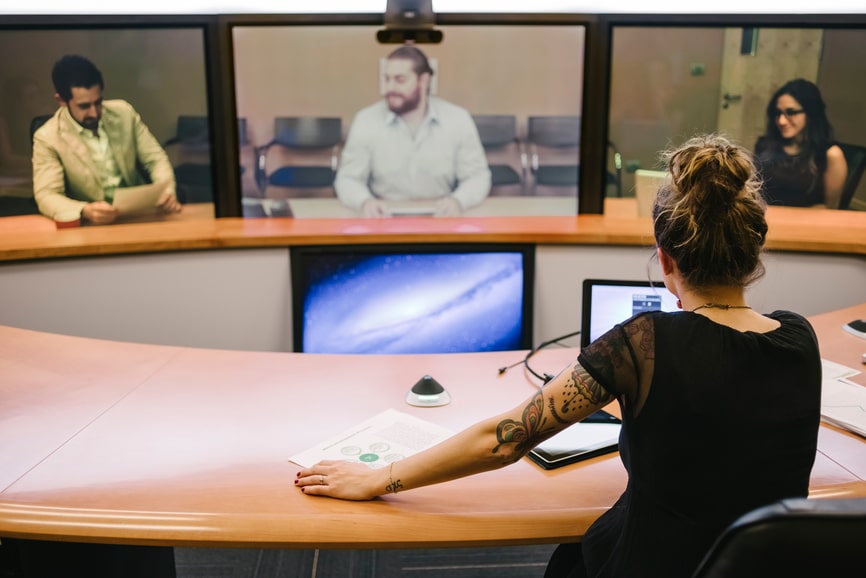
{"x":553,"y":150}
{"x":315,"y":138}
{"x":36,"y":123}
{"x":14,"y":206}
{"x":498,"y":134}
{"x":855,"y":157}
{"x":192,"y":166}
{"x":791,"y":538}
{"x":11,"y":206}
{"x":190,"y":149}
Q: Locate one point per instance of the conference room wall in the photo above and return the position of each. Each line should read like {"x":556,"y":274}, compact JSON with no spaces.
{"x":218,"y":299}
{"x":241,"y":299}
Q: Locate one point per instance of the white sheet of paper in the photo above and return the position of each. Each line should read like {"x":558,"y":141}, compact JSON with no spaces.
{"x":131,"y":200}
{"x":833,"y":370}
{"x":843,"y":403}
{"x":381,"y":440}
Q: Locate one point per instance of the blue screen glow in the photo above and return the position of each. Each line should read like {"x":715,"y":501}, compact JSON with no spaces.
{"x":413,"y":303}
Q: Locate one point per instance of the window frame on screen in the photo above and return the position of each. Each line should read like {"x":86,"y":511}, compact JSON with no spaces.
{"x":298,"y":279}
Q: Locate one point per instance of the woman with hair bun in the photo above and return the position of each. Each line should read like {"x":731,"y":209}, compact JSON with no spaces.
{"x":720,"y":403}
{"x":799,"y":161}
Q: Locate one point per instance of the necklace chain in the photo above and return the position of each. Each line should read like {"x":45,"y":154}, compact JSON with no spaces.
{"x":722,"y":306}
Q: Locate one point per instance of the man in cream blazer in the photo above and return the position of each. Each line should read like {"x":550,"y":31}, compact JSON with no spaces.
{"x":89,"y":147}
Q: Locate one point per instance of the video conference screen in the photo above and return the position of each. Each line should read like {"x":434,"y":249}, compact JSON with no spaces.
{"x":425,"y":299}
{"x":160,"y":71}
{"x":669,"y":83}
{"x":332,"y":121}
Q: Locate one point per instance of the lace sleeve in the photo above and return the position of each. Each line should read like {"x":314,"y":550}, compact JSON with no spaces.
{"x":622,"y":361}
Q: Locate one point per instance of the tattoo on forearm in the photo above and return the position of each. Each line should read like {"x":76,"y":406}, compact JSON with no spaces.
{"x":551,"y":405}
{"x":523,"y":432}
{"x":579,"y":391}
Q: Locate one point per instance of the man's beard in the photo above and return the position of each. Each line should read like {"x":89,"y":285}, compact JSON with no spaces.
{"x":404,"y":104}
{"x":90,"y":123}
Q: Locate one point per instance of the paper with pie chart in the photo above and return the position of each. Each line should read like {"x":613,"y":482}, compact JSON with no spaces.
{"x":381,"y":440}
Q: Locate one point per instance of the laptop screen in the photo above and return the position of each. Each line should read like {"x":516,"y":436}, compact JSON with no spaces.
{"x":607,"y":302}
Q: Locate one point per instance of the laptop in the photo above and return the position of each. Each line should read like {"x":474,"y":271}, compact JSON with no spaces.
{"x":607,"y":302}
{"x":646,"y":186}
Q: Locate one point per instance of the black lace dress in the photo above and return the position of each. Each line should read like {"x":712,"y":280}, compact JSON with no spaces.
{"x":717,"y":422}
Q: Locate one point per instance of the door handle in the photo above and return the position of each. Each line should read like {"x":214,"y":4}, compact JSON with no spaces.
{"x":728,"y":98}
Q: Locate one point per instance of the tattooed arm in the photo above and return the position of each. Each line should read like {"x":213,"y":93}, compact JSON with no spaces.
{"x":488,"y":445}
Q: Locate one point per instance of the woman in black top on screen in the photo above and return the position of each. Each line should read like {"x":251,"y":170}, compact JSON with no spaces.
{"x":799,"y":162}
{"x":720,"y":403}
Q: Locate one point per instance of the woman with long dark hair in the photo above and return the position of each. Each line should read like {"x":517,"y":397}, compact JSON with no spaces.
{"x":799,"y":161}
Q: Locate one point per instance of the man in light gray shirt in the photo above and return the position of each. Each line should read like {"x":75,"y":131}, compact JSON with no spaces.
{"x":412,"y":146}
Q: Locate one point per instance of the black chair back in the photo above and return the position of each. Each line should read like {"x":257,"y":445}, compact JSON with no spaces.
{"x":308,"y":132}
{"x":554,"y":131}
{"x":496,"y":130}
{"x":36,"y":123}
{"x":791,"y":538}
{"x":855,"y":158}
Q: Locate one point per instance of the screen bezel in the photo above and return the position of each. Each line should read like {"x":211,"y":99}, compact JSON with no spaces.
{"x":299,"y":254}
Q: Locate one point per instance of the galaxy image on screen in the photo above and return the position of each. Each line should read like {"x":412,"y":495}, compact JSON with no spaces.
{"x":407,"y":302}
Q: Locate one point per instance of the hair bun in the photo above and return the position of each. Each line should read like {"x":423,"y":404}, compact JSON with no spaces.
{"x":710,"y":174}
{"x":710,"y":217}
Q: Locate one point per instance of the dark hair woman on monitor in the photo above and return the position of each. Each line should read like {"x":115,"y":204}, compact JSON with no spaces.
{"x":720,"y":403}
{"x":800,"y":163}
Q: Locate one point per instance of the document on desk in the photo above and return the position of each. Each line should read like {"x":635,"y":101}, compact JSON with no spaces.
{"x":132,"y":200}
{"x":843,"y":403}
{"x":381,"y":440}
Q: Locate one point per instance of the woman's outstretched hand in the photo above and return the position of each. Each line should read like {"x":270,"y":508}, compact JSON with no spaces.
{"x":343,"y":480}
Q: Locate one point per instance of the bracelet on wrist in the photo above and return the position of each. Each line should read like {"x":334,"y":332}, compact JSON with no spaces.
{"x":394,"y":486}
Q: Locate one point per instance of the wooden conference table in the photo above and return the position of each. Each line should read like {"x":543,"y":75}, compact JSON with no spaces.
{"x":153,"y":445}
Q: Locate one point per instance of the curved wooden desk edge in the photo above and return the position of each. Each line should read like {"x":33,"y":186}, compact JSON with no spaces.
{"x":359,"y":532}
{"x":263,"y":531}
{"x":791,"y":229}
{"x":114,"y":481}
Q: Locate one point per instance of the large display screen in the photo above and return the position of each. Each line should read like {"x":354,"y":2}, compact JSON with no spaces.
{"x":159,"y":70}
{"x":420,"y":299}
{"x":669,"y":83}
{"x":331,"y":120}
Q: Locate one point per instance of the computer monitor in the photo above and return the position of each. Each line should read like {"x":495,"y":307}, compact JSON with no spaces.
{"x":412,"y":299}
{"x":672,"y":78}
{"x":301,"y":85}
{"x":159,"y":65}
{"x":607,"y":302}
